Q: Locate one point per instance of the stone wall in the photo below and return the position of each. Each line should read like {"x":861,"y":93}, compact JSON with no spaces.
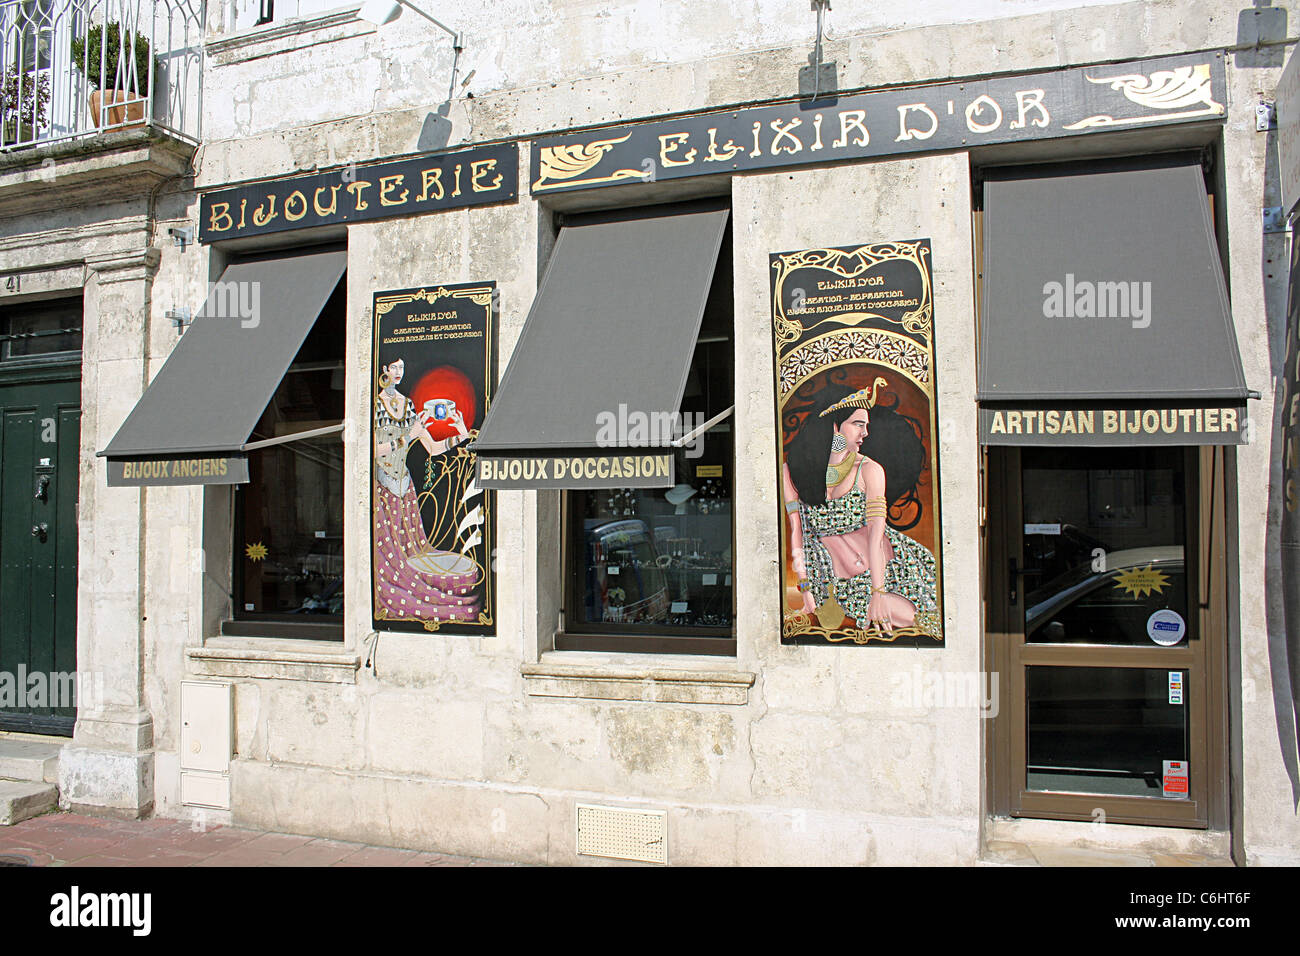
{"x":484,"y":745}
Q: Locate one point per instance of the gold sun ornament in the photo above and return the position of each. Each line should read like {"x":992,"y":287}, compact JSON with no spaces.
{"x":1142,"y":581}
{"x":256,"y":551}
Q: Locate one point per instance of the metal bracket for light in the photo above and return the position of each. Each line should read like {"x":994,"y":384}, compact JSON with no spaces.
{"x":1275,"y":219}
{"x":383,"y":12}
{"x":181,"y":317}
{"x":815,"y":59}
{"x":1265,"y":116}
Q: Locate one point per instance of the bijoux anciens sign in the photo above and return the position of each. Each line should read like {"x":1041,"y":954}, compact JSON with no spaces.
{"x":1046,"y":105}
{"x":185,"y":470}
{"x":470,"y":177}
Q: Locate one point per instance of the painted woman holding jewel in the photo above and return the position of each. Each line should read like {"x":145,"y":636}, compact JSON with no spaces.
{"x":838,"y":488}
{"x":412,"y":581}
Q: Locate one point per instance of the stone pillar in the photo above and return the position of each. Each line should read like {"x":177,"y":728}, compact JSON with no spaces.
{"x":109,"y":766}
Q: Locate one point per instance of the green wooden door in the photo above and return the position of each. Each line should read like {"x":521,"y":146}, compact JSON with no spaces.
{"x":39,"y":440}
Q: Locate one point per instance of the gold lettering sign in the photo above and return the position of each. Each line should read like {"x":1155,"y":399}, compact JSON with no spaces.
{"x":473,"y":176}
{"x":1114,"y":421}
{"x":1075,"y":101}
{"x":639,"y":469}
{"x":174,"y":471}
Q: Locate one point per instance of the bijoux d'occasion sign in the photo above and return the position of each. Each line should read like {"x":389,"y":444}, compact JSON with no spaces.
{"x":432,"y":529}
{"x":856,"y":436}
{"x":407,"y":187}
{"x":1155,"y":92}
{"x":564,"y":471}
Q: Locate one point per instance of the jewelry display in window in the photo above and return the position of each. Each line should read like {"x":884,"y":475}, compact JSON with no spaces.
{"x":621,"y":501}
{"x":614,"y":610}
{"x":712,"y":497}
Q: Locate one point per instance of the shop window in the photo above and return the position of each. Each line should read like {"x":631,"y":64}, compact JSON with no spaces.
{"x":288,"y":539}
{"x":650,"y":569}
{"x":41,"y":329}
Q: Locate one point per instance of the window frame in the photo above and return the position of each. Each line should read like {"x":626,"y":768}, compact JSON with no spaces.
{"x":574,"y":635}
{"x":9,"y":311}
{"x":235,"y":621}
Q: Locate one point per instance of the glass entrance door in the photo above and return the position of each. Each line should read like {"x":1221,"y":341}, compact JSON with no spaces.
{"x":1099,"y":603}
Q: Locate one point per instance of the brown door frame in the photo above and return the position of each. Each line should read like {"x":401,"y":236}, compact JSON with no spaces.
{"x":1204,"y":658}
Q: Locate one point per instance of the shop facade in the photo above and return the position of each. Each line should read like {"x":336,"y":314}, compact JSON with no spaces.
{"x":472,"y":510}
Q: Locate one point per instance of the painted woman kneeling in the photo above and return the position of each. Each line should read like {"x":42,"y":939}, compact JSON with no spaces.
{"x":844,"y":550}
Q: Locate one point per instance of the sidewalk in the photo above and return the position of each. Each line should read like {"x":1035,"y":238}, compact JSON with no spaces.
{"x":71,"y":839}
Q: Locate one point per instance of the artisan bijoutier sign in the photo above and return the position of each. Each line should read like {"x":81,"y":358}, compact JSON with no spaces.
{"x":407,"y":187}
{"x":1146,"y":425}
{"x":1046,"y":105}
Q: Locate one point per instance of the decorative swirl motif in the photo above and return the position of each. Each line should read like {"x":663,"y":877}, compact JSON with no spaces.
{"x":1186,"y":86}
{"x":1166,"y":89}
{"x":449,"y":478}
{"x":886,"y":348}
{"x":561,"y":163}
{"x":480,"y":296}
{"x":797,"y":623}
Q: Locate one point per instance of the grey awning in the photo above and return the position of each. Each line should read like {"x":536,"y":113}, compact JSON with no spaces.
{"x":1103,"y":291}
{"x":205,"y":401}
{"x":610,"y":335}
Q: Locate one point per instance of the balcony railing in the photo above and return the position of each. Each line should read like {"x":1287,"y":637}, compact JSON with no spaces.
{"x":78,"y":68}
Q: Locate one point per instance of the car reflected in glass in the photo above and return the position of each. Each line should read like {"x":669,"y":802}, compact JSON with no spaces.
{"x":1110,"y":600}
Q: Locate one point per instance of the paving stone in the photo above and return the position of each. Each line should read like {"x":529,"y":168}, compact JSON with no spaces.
{"x":71,"y":839}
{"x":103,"y":860}
{"x":378,"y":856}
{"x":319,"y":853}
{"x":82,"y":847}
{"x":283,"y":842}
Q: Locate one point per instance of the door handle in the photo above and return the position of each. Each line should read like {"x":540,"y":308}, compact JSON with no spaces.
{"x":42,"y":487}
{"x":41,"y":531}
{"x":1014,"y":576}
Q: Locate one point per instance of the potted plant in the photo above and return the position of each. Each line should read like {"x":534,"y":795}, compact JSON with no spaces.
{"x":125,"y":95}
{"x":23,"y":97}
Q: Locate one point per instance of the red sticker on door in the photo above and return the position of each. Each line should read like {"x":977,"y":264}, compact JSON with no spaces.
{"x":1174,"y":782}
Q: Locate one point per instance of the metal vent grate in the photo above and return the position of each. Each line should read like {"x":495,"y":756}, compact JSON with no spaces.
{"x":620,"y":834}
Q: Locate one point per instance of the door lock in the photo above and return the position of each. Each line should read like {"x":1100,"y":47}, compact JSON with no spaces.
{"x":42,"y":487}
{"x":41,"y":531}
